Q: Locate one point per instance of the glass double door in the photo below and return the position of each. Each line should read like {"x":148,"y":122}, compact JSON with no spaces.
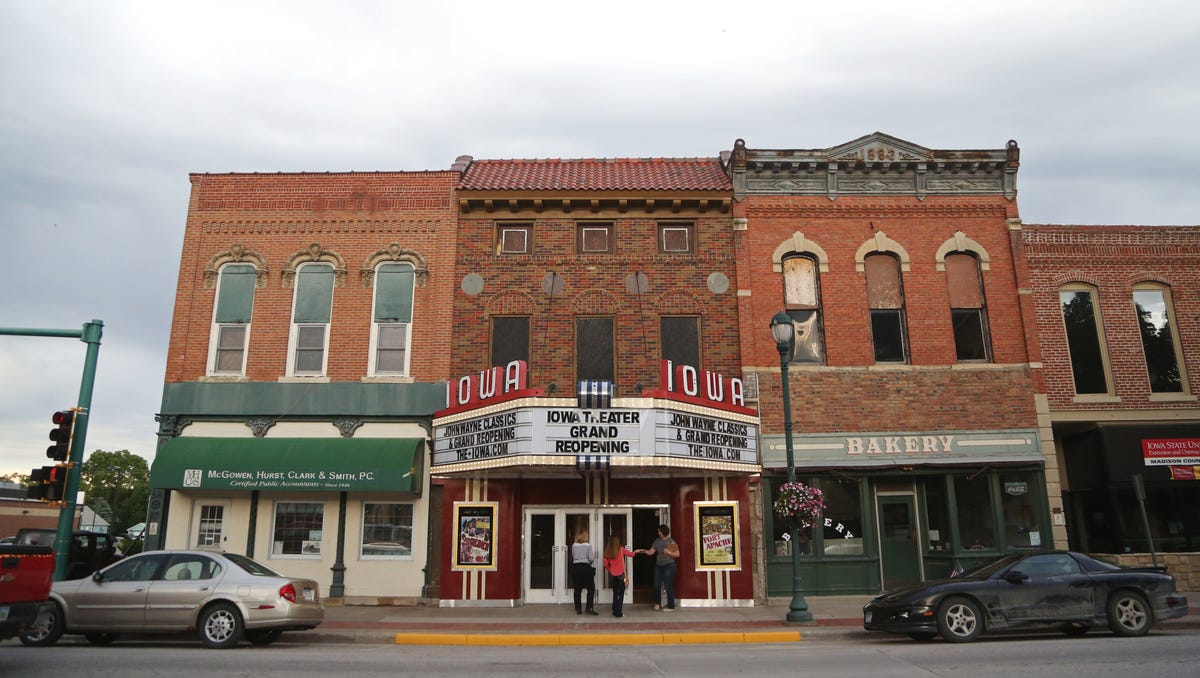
{"x":549,"y":533}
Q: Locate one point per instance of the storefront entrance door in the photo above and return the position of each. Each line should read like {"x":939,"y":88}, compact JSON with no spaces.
{"x":208,"y":524}
{"x":898,"y":544}
{"x":549,"y":533}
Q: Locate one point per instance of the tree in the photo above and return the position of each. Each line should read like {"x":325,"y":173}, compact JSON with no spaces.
{"x":119,"y":479}
{"x":16,"y":478}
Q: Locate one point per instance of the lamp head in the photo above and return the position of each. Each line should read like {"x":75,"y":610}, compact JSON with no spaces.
{"x":782,"y":331}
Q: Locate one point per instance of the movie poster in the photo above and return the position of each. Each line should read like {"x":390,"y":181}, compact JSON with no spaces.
{"x":474,"y":543}
{"x":716,"y":534}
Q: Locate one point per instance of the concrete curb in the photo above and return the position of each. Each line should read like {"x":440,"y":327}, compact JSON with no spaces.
{"x":614,"y":638}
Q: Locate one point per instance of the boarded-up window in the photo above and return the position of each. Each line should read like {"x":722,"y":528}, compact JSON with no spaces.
{"x":595,"y":238}
{"x":802,"y":299}
{"x":594,"y":349}
{"x":514,"y":238}
{"x":680,"y":336}
{"x":885,"y":298}
{"x":967,"y":312}
{"x":510,"y":339}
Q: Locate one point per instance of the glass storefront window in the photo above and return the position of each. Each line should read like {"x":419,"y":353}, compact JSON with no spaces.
{"x":842,"y":532}
{"x":975,"y":517}
{"x":1017,"y":501}
{"x":937,"y":535}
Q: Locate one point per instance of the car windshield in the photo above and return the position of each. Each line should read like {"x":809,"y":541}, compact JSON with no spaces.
{"x":988,"y":569}
{"x":252,"y":566}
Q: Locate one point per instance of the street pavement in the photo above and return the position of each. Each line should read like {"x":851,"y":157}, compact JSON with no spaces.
{"x":834,"y":618}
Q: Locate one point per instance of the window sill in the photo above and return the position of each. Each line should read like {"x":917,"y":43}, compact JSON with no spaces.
{"x":387,"y":379}
{"x":1097,"y":398}
{"x":304,"y":380}
{"x":224,"y":379}
{"x":1172,"y":398}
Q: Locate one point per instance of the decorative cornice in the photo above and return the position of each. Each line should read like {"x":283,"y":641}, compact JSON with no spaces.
{"x":171,"y":425}
{"x":961,"y":243}
{"x":881,"y":243}
{"x":260,"y":425}
{"x":798,"y":244}
{"x":237,"y":253}
{"x":346,"y":426}
{"x":395,"y":253}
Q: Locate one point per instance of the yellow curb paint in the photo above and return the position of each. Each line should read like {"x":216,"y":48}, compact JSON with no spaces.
{"x":551,"y":639}
{"x":612,"y":639}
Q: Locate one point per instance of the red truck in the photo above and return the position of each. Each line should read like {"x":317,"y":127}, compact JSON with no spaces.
{"x":26,"y":573}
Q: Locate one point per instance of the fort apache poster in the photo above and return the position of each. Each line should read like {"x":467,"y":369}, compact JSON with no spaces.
{"x":474,"y":543}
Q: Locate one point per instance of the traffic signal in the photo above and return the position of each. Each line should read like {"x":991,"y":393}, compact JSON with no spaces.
{"x":64,"y":421}
{"x":48,"y":483}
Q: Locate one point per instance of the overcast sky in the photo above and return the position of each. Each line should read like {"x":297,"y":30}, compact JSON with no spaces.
{"x":105,"y":107}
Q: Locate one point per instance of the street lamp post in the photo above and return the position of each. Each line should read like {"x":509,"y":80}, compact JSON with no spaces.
{"x":782,"y":332}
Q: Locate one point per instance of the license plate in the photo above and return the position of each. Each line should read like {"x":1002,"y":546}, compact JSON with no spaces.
{"x":3,"y":612}
{"x":310,"y":595}
{"x":867,"y":617}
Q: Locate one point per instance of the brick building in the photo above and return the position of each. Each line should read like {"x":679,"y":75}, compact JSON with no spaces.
{"x":307,"y":357}
{"x":913,"y":380}
{"x":1117,"y":317}
{"x":597,"y":380}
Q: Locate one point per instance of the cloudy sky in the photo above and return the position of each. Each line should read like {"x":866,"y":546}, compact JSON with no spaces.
{"x":105,"y":107}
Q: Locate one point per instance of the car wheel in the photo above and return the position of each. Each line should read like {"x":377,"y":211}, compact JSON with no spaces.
{"x":959,"y":620}
{"x":221,"y":626}
{"x":263,"y":636}
{"x":1075,"y":629}
{"x":1128,"y":614}
{"x":923,"y":636}
{"x":100,"y":638}
{"x":46,"y":633}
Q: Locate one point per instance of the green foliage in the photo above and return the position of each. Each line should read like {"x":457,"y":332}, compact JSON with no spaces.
{"x":15,"y":477}
{"x":118,"y":483}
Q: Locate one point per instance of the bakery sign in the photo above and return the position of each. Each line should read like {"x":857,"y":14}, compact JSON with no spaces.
{"x":1171,"y":451}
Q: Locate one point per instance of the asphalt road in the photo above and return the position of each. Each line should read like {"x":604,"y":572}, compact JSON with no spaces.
{"x":1163,"y":654}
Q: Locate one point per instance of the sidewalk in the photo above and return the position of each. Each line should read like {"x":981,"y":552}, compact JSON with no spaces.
{"x":834,"y":617}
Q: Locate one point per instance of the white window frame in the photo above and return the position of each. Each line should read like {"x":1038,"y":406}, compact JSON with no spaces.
{"x":377,"y":327}
{"x":215,"y":335}
{"x":502,"y":229}
{"x":294,"y":337}
{"x":273,"y":555}
{"x":363,"y":530}
{"x":687,"y":227}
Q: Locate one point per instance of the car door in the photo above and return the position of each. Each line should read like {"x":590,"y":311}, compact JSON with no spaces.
{"x":177,"y":594}
{"x":114,"y":599}
{"x":1046,"y":588}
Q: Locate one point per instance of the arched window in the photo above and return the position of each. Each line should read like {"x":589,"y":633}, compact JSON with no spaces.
{"x":885,"y":299}
{"x":802,"y":300}
{"x":968,"y":310}
{"x":312,"y":307}
{"x":1085,"y":339}
{"x":391,"y":328}
{"x":231,"y":320}
{"x":1159,"y":341}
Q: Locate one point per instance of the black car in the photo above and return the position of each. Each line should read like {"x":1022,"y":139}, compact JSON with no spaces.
{"x":1060,"y":588}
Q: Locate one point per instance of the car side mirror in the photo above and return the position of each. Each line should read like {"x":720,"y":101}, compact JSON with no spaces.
{"x":1016,"y":577}
{"x":98,"y":577}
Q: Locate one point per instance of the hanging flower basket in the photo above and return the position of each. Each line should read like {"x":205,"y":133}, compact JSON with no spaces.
{"x":800,"y":502}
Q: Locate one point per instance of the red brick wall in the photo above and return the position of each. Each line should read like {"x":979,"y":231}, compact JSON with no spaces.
{"x":279,"y":215}
{"x":595,"y":285}
{"x":1113,"y":259}
{"x":851,"y":393}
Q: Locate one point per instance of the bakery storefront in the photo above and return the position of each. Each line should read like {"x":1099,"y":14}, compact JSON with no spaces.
{"x":522,"y":474}
{"x":906,"y":506}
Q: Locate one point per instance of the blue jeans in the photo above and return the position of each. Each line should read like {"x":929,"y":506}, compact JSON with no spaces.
{"x":618,"y":593}
{"x":664,"y":575}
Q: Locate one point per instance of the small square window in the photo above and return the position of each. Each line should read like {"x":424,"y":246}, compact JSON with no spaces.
{"x":231,"y":349}
{"x":595,"y":238}
{"x":514,"y":238}
{"x":676,"y":238}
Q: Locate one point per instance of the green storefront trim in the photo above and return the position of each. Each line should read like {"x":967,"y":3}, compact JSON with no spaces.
{"x":290,"y":464}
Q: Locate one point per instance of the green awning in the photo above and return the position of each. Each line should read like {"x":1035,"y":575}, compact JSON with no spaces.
{"x":290,"y":464}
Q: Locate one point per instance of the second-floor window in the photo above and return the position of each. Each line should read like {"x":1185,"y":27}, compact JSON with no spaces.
{"x":1081,"y":319}
{"x":311,"y":310}
{"x":802,"y":299}
{"x":680,"y":337}
{"x":594,"y":237}
{"x":594,"y":349}
{"x":968,"y":314}
{"x":514,"y":238}
{"x":231,"y":319}
{"x":392,"y":319}
{"x":676,"y":237}
{"x":885,"y":298}
{"x":1159,"y":342}
{"x":510,"y":339}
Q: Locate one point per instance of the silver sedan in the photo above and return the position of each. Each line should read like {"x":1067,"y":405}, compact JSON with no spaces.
{"x":222,"y":596}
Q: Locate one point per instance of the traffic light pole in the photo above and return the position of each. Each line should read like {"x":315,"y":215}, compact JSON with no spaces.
{"x":90,"y":335}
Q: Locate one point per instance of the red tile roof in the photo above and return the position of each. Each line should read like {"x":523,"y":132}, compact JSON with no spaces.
{"x":597,"y":174}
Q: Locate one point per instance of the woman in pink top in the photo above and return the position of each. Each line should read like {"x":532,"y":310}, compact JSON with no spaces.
{"x":614,"y":565}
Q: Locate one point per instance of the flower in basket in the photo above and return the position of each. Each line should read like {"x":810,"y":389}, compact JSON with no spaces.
{"x":799,"y":501}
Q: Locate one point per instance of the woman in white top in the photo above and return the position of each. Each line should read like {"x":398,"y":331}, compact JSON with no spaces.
{"x":583,"y":574}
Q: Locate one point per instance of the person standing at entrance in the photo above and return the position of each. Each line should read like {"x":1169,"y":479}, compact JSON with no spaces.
{"x":665,"y":550}
{"x":583,"y":573}
{"x":614,"y":565}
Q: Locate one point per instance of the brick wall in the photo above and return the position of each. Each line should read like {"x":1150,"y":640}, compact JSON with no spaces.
{"x":1113,"y":259}
{"x":850,"y":392}
{"x":1185,"y":567}
{"x":280,"y":215}
{"x":595,"y":284}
